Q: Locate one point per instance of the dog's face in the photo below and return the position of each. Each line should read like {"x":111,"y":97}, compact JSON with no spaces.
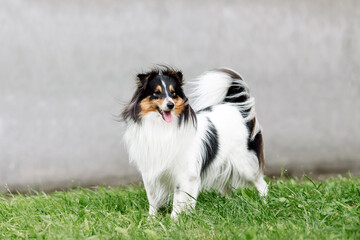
{"x":160,"y":92}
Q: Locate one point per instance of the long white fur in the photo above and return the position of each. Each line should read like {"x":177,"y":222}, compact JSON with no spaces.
{"x":210,"y":88}
{"x":169,"y":157}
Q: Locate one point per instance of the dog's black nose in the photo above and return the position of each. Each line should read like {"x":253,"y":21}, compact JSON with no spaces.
{"x":170,"y":105}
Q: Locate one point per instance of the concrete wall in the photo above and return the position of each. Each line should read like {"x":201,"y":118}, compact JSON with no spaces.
{"x":66,"y":66}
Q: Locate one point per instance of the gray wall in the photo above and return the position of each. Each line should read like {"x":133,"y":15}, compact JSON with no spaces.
{"x":66,"y":67}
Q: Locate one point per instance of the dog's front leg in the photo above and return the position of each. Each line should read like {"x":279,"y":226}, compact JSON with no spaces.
{"x":185,"y":194}
{"x":152,"y":198}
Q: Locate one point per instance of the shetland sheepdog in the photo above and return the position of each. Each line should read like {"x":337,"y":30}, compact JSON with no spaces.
{"x":181,"y":149}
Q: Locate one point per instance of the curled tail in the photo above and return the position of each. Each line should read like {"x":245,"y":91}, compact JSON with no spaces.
{"x":225,"y":86}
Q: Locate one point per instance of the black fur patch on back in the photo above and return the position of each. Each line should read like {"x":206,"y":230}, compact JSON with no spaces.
{"x":257,"y":144}
{"x":211,"y":146}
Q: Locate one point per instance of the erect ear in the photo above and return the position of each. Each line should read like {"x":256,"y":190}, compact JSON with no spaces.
{"x":180,"y":77}
{"x":142,"y":80}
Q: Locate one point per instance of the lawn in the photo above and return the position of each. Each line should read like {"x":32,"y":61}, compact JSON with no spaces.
{"x":295,"y":209}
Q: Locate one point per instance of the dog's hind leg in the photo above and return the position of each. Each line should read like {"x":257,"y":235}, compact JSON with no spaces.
{"x":248,"y":169}
{"x":261,"y":185}
{"x":226,"y":191}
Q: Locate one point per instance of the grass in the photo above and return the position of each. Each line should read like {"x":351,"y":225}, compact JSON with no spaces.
{"x":295,"y":209}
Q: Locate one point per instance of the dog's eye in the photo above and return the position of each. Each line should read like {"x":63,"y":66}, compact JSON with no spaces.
{"x":173,"y":92}
{"x":157,"y":92}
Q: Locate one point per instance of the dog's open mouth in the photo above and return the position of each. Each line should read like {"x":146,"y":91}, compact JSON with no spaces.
{"x":166,"y":115}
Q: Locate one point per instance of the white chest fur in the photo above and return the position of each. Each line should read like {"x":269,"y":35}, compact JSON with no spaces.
{"x":155,"y":145}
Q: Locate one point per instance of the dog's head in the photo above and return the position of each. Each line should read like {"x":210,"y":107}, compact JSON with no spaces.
{"x":160,"y":91}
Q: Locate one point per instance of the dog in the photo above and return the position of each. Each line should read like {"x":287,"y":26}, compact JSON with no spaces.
{"x":181,"y":149}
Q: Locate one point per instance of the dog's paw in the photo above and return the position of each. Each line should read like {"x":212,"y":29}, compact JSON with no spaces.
{"x":151,"y":217}
{"x":174,"y":216}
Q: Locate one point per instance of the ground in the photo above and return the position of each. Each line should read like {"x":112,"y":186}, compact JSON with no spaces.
{"x":295,"y":209}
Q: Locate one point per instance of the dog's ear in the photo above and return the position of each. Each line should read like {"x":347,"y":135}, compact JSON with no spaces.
{"x":142,"y":80}
{"x":177,"y":75}
{"x":180,"y":77}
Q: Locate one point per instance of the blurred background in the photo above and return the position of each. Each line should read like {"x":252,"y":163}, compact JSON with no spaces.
{"x":66,"y":67}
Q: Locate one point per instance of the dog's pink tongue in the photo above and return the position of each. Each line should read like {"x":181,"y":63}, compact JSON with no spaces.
{"x":167,"y":116}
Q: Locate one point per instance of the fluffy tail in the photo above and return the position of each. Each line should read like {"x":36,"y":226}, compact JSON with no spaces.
{"x":225,"y":86}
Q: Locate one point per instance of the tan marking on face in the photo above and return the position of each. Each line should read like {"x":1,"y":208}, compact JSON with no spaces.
{"x":179,"y":105}
{"x":159,"y":88}
{"x":171,"y":88}
{"x":147,"y":105}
